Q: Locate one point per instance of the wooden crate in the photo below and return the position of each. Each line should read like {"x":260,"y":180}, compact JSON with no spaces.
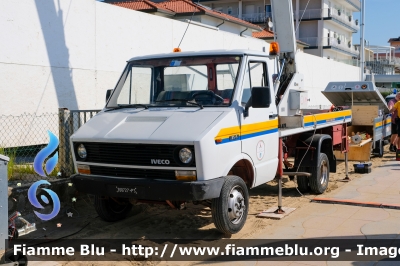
{"x":356,"y":153}
{"x":361,"y":154}
{"x":364,"y":114}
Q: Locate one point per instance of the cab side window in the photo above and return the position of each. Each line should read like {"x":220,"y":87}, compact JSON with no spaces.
{"x":255,"y":76}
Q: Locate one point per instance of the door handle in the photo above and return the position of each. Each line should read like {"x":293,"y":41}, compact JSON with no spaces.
{"x":273,"y":116}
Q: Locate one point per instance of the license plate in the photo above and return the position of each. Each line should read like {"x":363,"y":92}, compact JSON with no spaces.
{"x":125,"y":190}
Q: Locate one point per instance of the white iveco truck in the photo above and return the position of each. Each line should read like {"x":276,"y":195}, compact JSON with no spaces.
{"x":206,"y":127}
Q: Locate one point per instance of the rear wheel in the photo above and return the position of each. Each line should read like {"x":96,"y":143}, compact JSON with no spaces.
{"x":112,"y":209}
{"x":319,"y":178}
{"x":302,"y":181}
{"x":229,"y":211}
{"x":302,"y":184}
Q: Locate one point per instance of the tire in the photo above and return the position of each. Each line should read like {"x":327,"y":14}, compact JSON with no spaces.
{"x":229,"y":211}
{"x":9,"y":257}
{"x":302,"y":184}
{"x":110,"y":210}
{"x":319,"y":178}
{"x":302,"y":181}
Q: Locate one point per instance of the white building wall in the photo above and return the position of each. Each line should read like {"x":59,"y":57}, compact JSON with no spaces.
{"x":67,"y":53}
{"x":318,"y":72}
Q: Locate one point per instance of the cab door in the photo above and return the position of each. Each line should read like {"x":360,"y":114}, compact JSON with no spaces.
{"x":259,"y":126}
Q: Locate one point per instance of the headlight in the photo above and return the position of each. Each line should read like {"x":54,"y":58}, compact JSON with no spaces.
{"x":82,"y":151}
{"x":185,"y":155}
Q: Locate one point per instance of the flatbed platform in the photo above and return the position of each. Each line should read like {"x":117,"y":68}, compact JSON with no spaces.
{"x":290,"y":125}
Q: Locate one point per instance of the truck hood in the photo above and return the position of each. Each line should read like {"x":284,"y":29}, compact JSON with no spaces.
{"x":126,"y":125}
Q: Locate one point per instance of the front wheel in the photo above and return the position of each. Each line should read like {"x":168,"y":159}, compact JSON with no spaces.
{"x":229,"y":211}
{"x":319,"y":178}
{"x":111,"y":209}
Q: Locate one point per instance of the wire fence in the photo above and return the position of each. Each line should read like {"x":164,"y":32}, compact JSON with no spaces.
{"x":23,"y":137}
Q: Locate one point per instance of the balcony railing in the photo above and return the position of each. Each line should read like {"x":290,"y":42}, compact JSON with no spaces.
{"x":340,"y":16}
{"x":343,"y":45}
{"x":311,"y":41}
{"x":335,"y":14}
{"x":352,"y":62}
{"x":389,"y":61}
{"x":309,"y":14}
{"x":254,"y":17}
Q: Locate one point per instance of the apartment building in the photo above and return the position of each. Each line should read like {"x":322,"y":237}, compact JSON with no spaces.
{"x":326,"y":26}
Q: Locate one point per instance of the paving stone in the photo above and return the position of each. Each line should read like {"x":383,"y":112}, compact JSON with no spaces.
{"x":319,"y":209}
{"x":393,"y":212}
{"x":375,"y":189}
{"x":353,"y":224}
{"x":296,"y":220}
{"x":361,"y":182}
{"x":367,"y":197}
{"x":282,"y":232}
{"x":315,"y":233}
{"x":391,"y":190}
{"x":388,"y":199}
{"x":386,"y":229}
{"x":370,"y":214}
{"x":323,"y":222}
{"x":347,"y":194}
{"x":386,"y":179}
{"x":344,"y":211}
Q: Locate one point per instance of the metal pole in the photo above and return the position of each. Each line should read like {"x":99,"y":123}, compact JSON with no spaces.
{"x":362,"y":55}
{"x":346,"y":167}
{"x":280,"y":174}
{"x":3,"y":201}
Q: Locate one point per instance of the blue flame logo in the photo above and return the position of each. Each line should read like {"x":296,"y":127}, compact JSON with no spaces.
{"x":44,"y":153}
{"x":32,"y":198}
{"x":38,"y":166}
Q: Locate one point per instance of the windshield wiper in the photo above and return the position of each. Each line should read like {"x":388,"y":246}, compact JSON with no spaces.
{"x":120,"y":106}
{"x":182,"y":100}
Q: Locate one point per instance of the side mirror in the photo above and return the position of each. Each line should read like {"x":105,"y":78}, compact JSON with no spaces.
{"x":260,"y":98}
{"x":108,"y":94}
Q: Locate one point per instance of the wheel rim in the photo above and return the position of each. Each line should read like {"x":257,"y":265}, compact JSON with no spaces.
{"x":324,"y":173}
{"x":236,"y":205}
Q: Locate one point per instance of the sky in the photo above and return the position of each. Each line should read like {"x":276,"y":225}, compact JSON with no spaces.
{"x":382,"y":22}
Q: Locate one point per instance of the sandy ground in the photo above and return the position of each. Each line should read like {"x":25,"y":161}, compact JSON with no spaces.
{"x":153,"y":221}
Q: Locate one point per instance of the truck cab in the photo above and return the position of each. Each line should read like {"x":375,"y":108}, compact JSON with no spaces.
{"x":178,"y":127}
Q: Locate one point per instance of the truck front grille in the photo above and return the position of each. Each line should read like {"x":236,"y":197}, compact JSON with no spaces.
{"x":133,"y":154}
{"x":132,"y":172}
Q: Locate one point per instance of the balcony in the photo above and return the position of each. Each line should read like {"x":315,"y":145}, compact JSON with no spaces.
{"x":333,"y":14}
{"x":355,"y":3}
{"x":254,"y":17}
{"x":341,"y":18}
{"x":343,"y":46}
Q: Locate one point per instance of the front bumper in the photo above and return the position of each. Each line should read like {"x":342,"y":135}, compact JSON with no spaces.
{"x":148,"y":189}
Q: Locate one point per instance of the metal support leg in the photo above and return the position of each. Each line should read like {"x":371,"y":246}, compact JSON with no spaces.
{"x":279,"y":210}
{"x":280,"y":174}
{"x":347,"y":178}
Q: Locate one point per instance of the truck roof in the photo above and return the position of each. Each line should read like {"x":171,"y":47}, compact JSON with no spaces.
{"x":239,"y":52}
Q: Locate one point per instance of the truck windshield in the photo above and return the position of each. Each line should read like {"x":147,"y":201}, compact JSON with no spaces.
{"x":180,"y":82}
